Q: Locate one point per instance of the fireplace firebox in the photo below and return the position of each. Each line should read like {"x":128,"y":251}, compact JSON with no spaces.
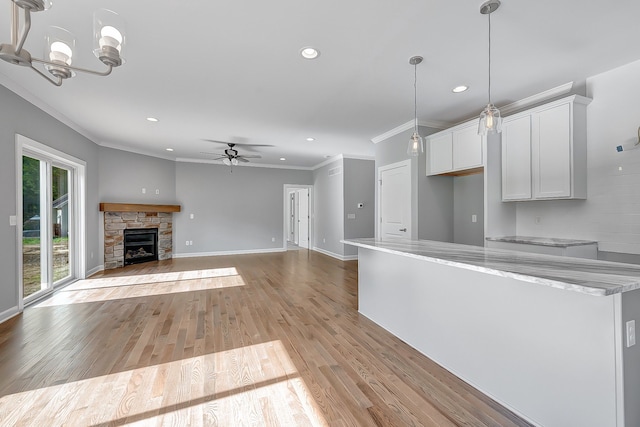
{"x":140,"y":245}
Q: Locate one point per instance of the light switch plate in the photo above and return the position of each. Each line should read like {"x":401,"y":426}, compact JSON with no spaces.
{"x":13,"y":221}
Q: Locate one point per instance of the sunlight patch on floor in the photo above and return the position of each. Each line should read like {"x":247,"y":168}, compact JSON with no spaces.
{"x":172,"y":276}
{"x":252,"y":385}
{"x":115,"y":292}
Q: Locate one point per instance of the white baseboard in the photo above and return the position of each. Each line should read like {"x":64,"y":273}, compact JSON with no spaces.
{"x":94,"y":271}
{"x":8,"y":314}
{"x":336,"y":256}
{"x":219,"y":253}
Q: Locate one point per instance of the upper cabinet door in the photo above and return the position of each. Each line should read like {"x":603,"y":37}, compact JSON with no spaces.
{"x":551,"y":152}
{"x":440,"y":154}
{"x":516,"y":158}
{"x":467,"y":148}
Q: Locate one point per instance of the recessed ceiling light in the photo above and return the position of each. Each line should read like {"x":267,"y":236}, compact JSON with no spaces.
{"x":283,"y":159}
{"x":152,"y":119}
{"x":309,"y":52}
{"x":460,"y":88}
{"x":169,"y":149}
{"x":310,"y":139}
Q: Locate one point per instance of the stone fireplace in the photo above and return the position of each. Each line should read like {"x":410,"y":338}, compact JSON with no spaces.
{"x":119,"y":217}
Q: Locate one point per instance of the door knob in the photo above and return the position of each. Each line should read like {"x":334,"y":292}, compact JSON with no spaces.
{"x":403,"y":229}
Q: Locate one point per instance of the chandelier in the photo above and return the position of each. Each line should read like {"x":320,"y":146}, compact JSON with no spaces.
{"x":109,"y":40}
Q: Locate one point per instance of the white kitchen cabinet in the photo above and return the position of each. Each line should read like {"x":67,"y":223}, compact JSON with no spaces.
{"x":467,"y":147}
{"x":454,"y":151}
{"x":544,"y":152}
{"x":440,"y":153}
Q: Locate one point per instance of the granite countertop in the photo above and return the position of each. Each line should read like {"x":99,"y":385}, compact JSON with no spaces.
{"x":542,"y":241}
{"x":599,"y":278}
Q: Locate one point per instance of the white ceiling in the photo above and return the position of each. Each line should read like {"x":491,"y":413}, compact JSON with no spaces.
{"x":231,"y":70}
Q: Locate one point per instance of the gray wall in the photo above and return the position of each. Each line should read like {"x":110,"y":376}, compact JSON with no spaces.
{"x":19,"y":116}
{"x":124,"y":174}
{"x":631,"y":359}
{"x":329,"y":208}
{"x":468,"y":200}
{"x":432,"y":218}
{"x":233,"y":211}
{"x":359,"y":186}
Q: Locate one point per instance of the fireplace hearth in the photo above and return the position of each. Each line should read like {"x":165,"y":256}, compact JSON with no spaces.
{"x":140,"y":245}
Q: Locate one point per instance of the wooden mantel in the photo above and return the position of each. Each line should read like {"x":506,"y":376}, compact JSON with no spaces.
{"x":132,"y":207}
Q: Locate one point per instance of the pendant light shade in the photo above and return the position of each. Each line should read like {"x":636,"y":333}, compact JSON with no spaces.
{"x":416,"y":144}
{"x":490,"y":119}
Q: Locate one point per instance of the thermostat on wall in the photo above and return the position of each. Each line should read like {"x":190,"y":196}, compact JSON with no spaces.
{"x":360,"y":205}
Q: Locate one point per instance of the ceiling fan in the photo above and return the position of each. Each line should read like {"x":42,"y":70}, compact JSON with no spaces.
{"x":231,"y":157}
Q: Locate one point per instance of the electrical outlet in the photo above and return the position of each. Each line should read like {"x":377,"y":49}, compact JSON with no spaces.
{"x":324,"y":240}
{"x":537,"y":220}
{"x":191,"y":216}
{"x":631,"y":333}
{"x":187,"y":243}
{"x":474,"y":218}
{"x":144,"y":190}
{"x":273,"y":239}
{"x":91,"y":255}
{"x":157,"y":191}
{"x":190,"y":242}
{"x":351,"y":216}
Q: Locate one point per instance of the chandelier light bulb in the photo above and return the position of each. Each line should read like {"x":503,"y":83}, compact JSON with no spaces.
{"x":226,"y":161}
{"x":60,"y":52}
{"x":234,"y":161}
{"x":110,"y":37}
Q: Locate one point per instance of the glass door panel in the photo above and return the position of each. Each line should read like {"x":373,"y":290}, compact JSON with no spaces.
{"x":60,"y":217}
{"x":34,"y":277}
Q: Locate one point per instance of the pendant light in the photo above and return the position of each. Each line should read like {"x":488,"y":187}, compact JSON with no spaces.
{"x":490,"y":120}
{"x":416,"y":145}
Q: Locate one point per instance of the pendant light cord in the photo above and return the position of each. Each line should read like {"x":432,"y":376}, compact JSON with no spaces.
{"x":415,"y":97}
{"x":489,"y":14}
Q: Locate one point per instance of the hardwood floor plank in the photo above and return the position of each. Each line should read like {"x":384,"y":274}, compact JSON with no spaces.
{"x":265,"y":339}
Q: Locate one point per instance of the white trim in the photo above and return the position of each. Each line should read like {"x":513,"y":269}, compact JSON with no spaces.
{"x":135,"y":150}
{"x":39,"y":103}
{"x":220,"y":253}
{"x":94,"y":270}
{"x":77,"y":213}
{"x":435,"y":124}
{"x":336,"y":256}
{"x":535,"y":99}
{"x":8,"y":314}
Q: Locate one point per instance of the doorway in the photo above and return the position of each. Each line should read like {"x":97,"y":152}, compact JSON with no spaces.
{"x":50,"y":231}
{"x":394,"y":200}
{"x":298,"y":216}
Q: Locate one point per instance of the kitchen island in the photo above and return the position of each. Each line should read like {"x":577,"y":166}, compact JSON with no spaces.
{"x":543,"y":335}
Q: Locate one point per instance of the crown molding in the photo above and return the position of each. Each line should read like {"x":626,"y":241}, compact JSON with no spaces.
{"x":328,"y":161}
{"x":537,"y":98}
{"x":135,"y":150}
{"x":25,"y":94}
{"x":435,"y":124}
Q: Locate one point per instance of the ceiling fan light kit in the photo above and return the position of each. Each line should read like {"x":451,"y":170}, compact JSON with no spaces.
{"x":108,"y":43}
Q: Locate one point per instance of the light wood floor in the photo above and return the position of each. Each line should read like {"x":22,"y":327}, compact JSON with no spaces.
{"x":270,"y":339}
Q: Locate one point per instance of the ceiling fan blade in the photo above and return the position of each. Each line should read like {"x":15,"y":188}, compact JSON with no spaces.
{"x":239,"y":144}
{"x":212,"y":154}
{"x":250,"y":156}
{"x":242,"y":159}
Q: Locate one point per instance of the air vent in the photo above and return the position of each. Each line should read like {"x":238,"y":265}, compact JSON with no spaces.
{"x":335,"y":171}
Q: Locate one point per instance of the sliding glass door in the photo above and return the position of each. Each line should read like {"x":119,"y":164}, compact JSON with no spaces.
{"x":47,"y":215}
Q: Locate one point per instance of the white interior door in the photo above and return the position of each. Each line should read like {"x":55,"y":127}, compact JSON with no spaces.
{"x":303,"y":218}
{"x":395,"y":200}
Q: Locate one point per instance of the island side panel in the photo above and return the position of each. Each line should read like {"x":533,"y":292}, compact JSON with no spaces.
{"x":631,"y":357}
{"x":548,"y":354}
